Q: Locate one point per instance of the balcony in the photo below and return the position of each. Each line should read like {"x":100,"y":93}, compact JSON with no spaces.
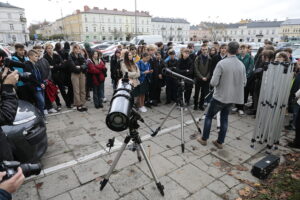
{"x":23,"y":19}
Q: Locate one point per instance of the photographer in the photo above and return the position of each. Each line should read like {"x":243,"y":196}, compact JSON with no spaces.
{"x":11,"y":185}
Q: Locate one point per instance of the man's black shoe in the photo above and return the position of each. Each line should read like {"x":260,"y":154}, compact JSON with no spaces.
{"x":101,"y":105}
{"x":201,"y":108}
{"x":168,"y":102}
{"x":195,"y":107}
{"x":147,"y":104}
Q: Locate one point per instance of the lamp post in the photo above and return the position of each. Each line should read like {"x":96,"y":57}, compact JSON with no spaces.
{"x":135,"y":16}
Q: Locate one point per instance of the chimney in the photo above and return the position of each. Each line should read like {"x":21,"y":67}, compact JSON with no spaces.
{"x":77,"y":11}
{"x":124,"y":10}
{"x":115,"y":9}
{"x":86,"y":8}
{"x":96,"y":8}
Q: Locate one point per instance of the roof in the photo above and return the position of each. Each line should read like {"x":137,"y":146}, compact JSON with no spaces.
{"x":194,"y":28}
{"x":169,"y":20}
{"x":7,"y":5}
{"x":263,"y":24}
{"x":117,"y":12}
{"x":291,"y":22}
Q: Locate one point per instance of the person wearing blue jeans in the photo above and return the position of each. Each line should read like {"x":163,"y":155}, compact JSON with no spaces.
{"x":98,"y":95}
{"x":40,"y":100}
{"x":228,"y":80}
{"x":214,"y":107}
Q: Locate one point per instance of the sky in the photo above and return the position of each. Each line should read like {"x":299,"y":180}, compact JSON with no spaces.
{"x":195,"y":11}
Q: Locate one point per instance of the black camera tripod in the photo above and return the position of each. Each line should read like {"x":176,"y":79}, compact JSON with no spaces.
{"x":136,"y":146}
{"x":181,"y":103}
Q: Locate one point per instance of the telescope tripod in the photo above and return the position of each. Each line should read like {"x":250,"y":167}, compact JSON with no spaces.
{"x":136,"y":146}
{"x":181,"y":103}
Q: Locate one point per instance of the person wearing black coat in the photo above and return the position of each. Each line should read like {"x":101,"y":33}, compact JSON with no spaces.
{"x":35,"y":81}
{"x":58,"y":73}
{"x":78,"y":68}
{"x":171,"y":88}
{"x":156,"y":79}
{"x":115,"y":68}
{"x":185,"y":67}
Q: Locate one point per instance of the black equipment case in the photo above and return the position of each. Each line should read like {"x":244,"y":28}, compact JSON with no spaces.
{"x":265,"y":166}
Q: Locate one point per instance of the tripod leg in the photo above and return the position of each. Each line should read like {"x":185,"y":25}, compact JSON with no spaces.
{"x":113,"y":166}
{"x":159,"y":186}
{"x":182,"y":130}
{"x":162,"y":123}
{"x":197,"y":125}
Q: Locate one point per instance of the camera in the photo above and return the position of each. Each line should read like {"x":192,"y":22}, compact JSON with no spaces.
{"x":10,"y":64}
{"x":120,"y":106}
{"x":11,"y":168}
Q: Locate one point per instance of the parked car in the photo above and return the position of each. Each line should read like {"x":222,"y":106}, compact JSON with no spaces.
{"x":109,"y":52}
{"x":296,"y":54}
{"x":148,"y":39}
{"x":27,"y":135}
{"x":98,"y":47}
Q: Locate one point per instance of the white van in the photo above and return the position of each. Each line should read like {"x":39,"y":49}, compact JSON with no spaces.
{"x":148,"y":39}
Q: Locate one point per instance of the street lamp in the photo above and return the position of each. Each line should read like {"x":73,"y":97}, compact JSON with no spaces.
{"x":135,"y":16}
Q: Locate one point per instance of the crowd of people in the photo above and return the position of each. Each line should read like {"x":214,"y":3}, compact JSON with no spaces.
{"x":75,"y":71}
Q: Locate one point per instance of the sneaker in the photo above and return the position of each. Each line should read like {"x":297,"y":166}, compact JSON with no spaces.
{"x":84,"y":108}
{"x":201,"y":141}
{"x":241,"y":112}
{"x":74,"y":108}
{"x":104,"y":100}
{"x":45,"y":112}
{"x":217,"y":144}
{"x":234,"y":109}
{"x":52,"y":110}
{"x":58,"y":108}
{"x":143,"y":109}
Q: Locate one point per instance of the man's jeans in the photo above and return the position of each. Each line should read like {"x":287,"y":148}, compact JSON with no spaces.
{"x":40,"y":101}
{"x":214,"y":107}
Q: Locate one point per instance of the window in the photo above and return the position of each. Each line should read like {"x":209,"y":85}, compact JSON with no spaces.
{"x":109,"y":29}
{"x":120,"y":29}
{"x":95,"y":29}
{"x":23,"y":27}
{"x":273,"y":32}
{"x":254,"y":32}
{"x":95,"y":37}
{"x":103,"y":38}
{"x":126,"y":29}
{"x":103,"y":29}
{"x":9,"y":15}
{"x":260,"y":32}
{"x":85,"y":18}
{"x":11,"y":26}
{"x":267,"y":32}
{"x":108,"y":20}
{"x":249,"y":32}
{"x":120,"y":20}
{"x":86,"y":29}
{"x":87,"y":37}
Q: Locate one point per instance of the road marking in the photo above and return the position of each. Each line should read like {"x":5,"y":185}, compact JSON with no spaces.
{"x":96,"y":154}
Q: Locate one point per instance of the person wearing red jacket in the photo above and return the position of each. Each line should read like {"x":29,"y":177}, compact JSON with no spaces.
{"x":97,"y":69}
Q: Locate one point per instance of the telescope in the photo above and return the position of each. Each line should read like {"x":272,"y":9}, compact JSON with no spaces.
{"x":120,"y":106}
{"x":168,"y":72}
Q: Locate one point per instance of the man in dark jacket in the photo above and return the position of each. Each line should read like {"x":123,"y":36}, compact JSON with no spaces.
{"x":185,"y":67}
{"x":156,"y":80}
{"x":171,"y":88}
{"x":115,"y":68}
{"x":220,"y":56}
{"x":203,"y":64}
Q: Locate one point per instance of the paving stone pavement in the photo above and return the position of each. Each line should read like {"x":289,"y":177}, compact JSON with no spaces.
{"x":77,"y":159}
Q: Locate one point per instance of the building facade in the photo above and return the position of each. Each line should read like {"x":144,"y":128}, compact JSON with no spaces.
{"x":256,"y":31}
{"x":13,"y":24}
{"x":100,"y":24}
{"x":171,"y":29}
{"x":290,"y":30}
